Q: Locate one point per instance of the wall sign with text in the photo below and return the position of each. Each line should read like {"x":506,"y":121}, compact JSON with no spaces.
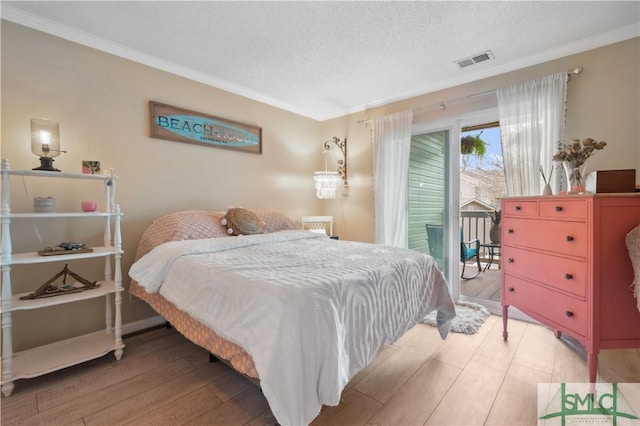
{"x":181,"y":125}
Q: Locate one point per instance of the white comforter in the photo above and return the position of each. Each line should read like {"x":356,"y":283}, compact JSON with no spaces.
{"x":310,"y":311}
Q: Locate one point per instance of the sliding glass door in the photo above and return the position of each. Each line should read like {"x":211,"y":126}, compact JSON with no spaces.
{"x":429,"y":183}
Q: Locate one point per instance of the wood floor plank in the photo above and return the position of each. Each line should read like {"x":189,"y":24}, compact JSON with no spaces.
{"x":110,"y":395}
{"x":537,"y":348}
{"x":382,"y":355}
{"x":237,"y":411}
{"x":515,"y":402}
{"x":230,"y":385}
{"x":354,"y":409}
{"x":468,"y":380}
{"x":568,"y":366}
{"x":17,"y":409}
{"x":458,"y":348}
{"x":619,"y":366}
{"x":108,"y":376}
{"x":162,"y":394}
{"x":416,"y":400}
{"x":391,"y":374}
{"x":180,"y":411}
{"x":469,"y":400}
{"x":265,"y":419}
{"x":494,"y":351}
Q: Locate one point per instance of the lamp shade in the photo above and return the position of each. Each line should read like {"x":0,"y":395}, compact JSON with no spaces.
{"x":327,"y":184}
{"x":45,"y":138}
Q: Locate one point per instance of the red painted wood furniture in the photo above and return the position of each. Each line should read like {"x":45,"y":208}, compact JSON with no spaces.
{"x":566,"y":265}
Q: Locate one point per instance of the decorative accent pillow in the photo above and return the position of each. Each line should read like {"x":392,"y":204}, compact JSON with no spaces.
{"x":241,"y":221}
{"x":276,"y":221}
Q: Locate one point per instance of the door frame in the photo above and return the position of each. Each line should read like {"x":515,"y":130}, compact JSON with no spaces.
{"x":454,"y":125}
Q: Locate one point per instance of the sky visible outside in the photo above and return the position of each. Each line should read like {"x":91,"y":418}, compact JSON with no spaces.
{"x":494,"y":151}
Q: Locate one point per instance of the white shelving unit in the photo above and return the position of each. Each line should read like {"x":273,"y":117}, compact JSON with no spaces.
{"x":55,"y":356}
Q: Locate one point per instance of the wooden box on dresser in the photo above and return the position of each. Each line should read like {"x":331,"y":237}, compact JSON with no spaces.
{"x":61,"y":354}
{"x":567,"y":266}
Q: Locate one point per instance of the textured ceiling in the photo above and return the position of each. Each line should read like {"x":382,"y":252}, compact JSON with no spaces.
{"x":327,"y":59}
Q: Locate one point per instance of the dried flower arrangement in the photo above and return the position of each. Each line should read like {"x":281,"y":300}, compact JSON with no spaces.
{"x":574,"y":157}
{"x":577,"y":152}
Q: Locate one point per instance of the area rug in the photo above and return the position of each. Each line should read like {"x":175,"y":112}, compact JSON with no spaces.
{"x":468,"y":320}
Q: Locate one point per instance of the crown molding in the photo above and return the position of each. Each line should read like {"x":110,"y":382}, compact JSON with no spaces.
{"x":583,"y":45}
{"x":72,"y":34}
{"x":17,"y":16}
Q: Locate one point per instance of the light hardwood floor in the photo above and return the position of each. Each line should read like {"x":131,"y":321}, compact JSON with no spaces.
{"x":163,"y":379}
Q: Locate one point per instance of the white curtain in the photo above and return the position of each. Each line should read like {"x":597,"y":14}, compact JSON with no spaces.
{"x":532,"y":117}
{"x":391,"y":149}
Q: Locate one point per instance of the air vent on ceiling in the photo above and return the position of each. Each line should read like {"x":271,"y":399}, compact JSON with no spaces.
{"x":472,"y":60}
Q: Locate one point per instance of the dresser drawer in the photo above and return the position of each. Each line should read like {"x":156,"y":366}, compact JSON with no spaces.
{"x":564,"y":274}
{"x":563,"y":209}
{"x":555,"y":236}
{"x":565,"y":311}
{"x":519,"y":208}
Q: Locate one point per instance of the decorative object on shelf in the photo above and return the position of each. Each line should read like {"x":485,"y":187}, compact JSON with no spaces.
{"x":182,"y":125}
{"x":88,"y":206}
{"x":610,"y":181}
{"x":48,"y":289}
{"x":44,"y":204}
{"x":45,"y":142}
{"x":574,"y":158}
{"x":65,"y":248}
{"x":327,"y":183}
{"x":90,"y":167}
{"x":494,"y":231}
{"x":547,"y":186}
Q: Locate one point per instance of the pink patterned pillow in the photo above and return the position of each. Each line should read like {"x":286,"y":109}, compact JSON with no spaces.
{"x":184,"y":225}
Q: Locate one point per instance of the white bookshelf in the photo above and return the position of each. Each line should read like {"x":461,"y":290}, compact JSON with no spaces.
{"x":61,"y":354}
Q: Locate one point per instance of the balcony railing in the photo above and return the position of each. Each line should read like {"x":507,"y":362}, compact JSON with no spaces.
{"x":476,"y":224}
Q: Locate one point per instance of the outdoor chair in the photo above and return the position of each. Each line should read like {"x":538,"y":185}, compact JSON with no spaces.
{"x":436,"y":242}
{"x":468,"y":251}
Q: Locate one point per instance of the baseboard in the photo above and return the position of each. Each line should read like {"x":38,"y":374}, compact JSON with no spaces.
{"x":136,"y":326}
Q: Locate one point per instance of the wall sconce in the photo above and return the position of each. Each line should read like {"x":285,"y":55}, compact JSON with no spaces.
{"x":45,"y":142}
{"x":327,"y":183}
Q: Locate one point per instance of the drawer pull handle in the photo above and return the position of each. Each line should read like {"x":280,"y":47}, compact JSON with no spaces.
{"x":518,"y":208}
{"x":569,"y":314}
{"x":510,"y":260}
{"x":510,"y":231}
{"x":569,"y":238}
{"x":511,"y":290}
{"x":558,"y":208}
{"x":568,"y":276}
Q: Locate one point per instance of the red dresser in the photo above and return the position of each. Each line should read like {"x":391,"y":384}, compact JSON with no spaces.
{"x":565,"y":264}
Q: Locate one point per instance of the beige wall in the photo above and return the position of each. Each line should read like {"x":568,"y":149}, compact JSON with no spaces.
{"x":101,"y":102}
{"x":603,"y":103}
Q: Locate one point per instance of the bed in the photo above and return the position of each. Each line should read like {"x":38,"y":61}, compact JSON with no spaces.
{"x":298,"y":311}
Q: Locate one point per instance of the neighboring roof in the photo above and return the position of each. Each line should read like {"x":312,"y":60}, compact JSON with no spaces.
{"x":465,"y":203}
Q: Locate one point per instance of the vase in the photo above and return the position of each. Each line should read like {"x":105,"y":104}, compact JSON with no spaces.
{"x":547,"y":189}
{"x":494,"y":233}
{"x":575,"y":174}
